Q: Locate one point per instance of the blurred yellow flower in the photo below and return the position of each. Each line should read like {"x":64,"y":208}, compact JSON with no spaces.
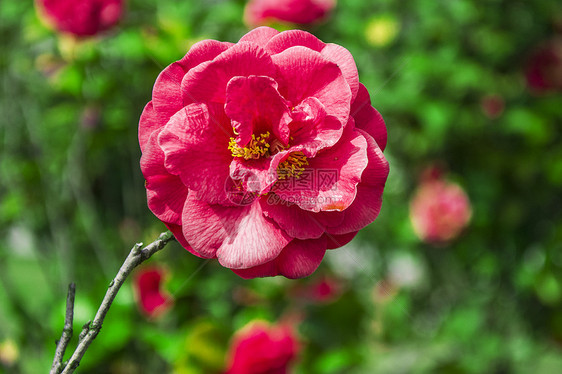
{"x":381,"y":30}
{"x":9,"y":352}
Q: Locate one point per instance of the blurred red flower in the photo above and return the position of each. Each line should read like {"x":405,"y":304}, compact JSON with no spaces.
{"x":492,"y":105}
{"x":152,"y":300}
{"x":262,"y":12}
{"x":439,"y":210}
{"x":260,"y":348}
{"x":324,"y":290}
{"x":544,"y":68}
{"x":80,"y":17}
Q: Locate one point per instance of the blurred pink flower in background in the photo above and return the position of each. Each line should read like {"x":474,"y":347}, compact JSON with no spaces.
{"x":153,"y":301}
{"x":81,"y":18}
{"x":323,"y":290}
{"x":492,"y":105}
{"x":384,"y":292}
{"x":264,"y":153}
{"x":260,"y":348}
{"x":544,"y":67}
{"x":264,"y":12}
{"x":439,"y":210}
{"x":90,"y":118}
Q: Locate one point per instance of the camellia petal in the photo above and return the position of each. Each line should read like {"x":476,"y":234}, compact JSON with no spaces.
{"x":299,"y":259}
{"x":298,"y":223}
{"x":240,"y":237}
{"x":368,"y":118}
{"x":313,"y":130}
{"x":333,"y":52}
{"x":178,"y":234}
{"x":195,"y":145}
{"x":148,"y":123}
{"x":304,"y":73}
{"x":255,"y":107}
{"x":166,"y":193}
{"x":343,"y":58}
{"x":166,"y":95}
{"x":207,"y":82}
{"x":257,"y":176}
{"x":259,"y":35}
{"x":292,"y":38}
{"x":336,"y":241}
{"x":337,"y":171}
{"x":368,"y":201}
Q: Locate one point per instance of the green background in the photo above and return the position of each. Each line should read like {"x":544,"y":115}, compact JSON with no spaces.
{"x":72,"y":200}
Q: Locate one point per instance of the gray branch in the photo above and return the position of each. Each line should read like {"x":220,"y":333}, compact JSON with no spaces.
{"x":66,"y":331}
{"x":90,"y":330}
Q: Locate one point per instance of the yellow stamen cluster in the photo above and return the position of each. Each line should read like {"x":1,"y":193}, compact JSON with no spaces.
{"x":293,"y":166}
{"x":256,"y":148}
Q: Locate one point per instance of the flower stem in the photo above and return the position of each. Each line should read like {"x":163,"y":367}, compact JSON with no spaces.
{"x":66,"y":331}
{"x":91,"y":329}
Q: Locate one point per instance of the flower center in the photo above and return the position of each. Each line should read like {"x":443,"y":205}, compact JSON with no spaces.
{"x":256,"y":148}
{"x":259,"y":146}
{"x":293,"y":166}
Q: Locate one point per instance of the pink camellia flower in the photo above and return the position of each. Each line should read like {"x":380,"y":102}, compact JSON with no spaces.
{"x":544,"y":68}
{"x":152,"y":300}
{"x":80,"y":18}
{"x":259,"y":348}
{"x":263,"y":153}
{"x":262,"y":12}
{"x":440,"y":210}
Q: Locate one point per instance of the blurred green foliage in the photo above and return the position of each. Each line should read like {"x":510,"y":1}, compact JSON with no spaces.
{"x":72,"y":200}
